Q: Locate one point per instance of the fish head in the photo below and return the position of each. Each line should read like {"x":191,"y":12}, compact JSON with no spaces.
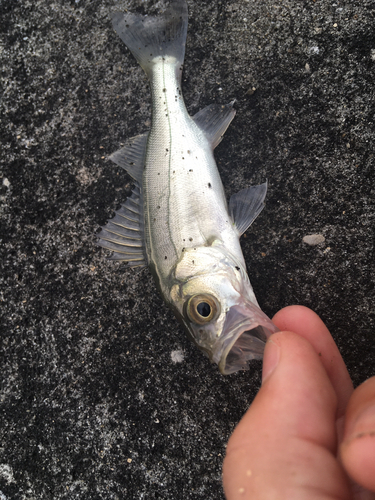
{"x":212,"y":296}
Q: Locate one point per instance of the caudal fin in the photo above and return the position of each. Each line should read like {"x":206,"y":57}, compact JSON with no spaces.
{"x":152,"y":37}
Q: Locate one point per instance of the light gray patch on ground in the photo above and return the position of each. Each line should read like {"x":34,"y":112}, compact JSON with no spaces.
{"x":313,"y":239}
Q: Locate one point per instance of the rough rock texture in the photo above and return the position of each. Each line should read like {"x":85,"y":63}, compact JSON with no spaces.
{"x":102,"y":396}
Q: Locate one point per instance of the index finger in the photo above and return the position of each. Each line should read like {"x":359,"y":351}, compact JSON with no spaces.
{"x":307,"y":324}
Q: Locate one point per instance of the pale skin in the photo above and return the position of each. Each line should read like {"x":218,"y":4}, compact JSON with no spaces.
{"x":307,"y":435}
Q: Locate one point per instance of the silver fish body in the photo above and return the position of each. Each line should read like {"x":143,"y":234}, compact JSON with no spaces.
{"x":177,"y":220}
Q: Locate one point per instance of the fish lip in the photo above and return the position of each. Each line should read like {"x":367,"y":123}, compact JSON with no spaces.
{"x":244,"y":322}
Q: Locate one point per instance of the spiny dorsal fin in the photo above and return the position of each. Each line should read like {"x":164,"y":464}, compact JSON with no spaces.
{"x":124,"y":233}
{"x":214,"y":120}
{"x":132,"y":156}
{"x":246,"y":205}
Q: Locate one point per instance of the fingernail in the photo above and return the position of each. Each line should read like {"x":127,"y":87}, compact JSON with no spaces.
{"x":363,"y":425}
{"x":271,"y":359}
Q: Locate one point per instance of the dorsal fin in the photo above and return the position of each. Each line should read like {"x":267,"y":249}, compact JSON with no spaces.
{"x":214,"y":120}
{"x":124,"y":234}
{"x":132,"y":156}
{"x":246,"y":205}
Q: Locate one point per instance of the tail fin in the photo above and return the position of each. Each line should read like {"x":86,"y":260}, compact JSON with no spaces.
{"x":154,"y":37}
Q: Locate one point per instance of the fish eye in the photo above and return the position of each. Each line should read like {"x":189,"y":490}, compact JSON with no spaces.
{"x":201,"y":309}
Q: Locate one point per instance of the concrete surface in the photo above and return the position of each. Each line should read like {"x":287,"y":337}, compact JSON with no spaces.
{"x":95,"y":401}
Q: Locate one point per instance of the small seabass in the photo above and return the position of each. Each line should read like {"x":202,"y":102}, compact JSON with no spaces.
{"x":177,"y":221}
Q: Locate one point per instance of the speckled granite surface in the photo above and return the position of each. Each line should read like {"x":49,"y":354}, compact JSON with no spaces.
{"x":95,"y":404}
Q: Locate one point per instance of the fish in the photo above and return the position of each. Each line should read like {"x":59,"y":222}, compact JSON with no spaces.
{"x":177,"y":221}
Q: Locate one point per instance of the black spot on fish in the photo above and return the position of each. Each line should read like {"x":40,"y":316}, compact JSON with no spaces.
{"x":236,"y":267}
{"x":190,"y":239}
{"x":165,"y":258}
{"x":191,"y":170}
{"x":164,"y":90}
{"x":209,"y":185}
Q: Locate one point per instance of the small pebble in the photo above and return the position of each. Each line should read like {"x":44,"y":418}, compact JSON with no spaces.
{"x":313,"y":239}
{"x":177,"y":356}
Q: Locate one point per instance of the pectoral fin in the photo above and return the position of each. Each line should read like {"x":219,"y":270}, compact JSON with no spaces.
{"x":246,"y":205}
{"x":132,"y":156}
{"x":214,"y":120}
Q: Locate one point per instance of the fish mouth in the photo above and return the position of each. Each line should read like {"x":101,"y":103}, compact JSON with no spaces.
{"x":244,"y":336}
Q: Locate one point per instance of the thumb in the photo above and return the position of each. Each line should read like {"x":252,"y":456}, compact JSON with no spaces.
{"x":285,"y":444}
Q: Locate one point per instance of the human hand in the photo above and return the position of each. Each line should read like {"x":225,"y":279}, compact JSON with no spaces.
{"x":306,"y":431}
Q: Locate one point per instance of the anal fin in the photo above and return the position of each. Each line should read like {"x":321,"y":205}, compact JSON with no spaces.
{"x":214,"y":120}
{"x":124,"y":234}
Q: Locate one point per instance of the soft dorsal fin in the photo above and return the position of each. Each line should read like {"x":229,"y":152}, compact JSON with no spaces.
{"x":246,"y":205}
{"x":214,"y":120}
{"x":124,"y":233}
{"x":132,"y":156}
